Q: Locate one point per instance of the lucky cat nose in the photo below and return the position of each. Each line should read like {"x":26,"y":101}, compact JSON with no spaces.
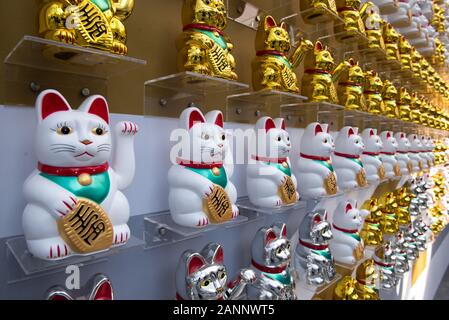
{"x":86,"y":142}
{"x":220,"y":145}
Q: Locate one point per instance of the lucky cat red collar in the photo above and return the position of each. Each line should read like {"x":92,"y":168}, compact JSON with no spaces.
{"x":72,"y":171}
{"x":268,"y":269}
{"x":345,"y":155}
{"x":199,"y":165}
{"x":313,"y":246}
{"x":271,"y":160}
{"x":314,"y":157}
{"x":371,"y":153}
{"x":345,"y":230}
{"x":201,"y":26}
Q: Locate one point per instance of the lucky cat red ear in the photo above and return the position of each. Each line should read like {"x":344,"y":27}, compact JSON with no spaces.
{"x":195,"y":263}
{"x":190,"y":116}
{"x":269,"y":22}
{"x":388,"y":135}
{"x":215,"y":117}
{"x":284,"y":26}
{"x":318,"y":46}
{"x":96,"y":105}
{"x":348,"y":207}
{"x":269,"y":236}
{"x":219,"y":256}
{"x":269,"y":124}
{"x":284,"y":231}
{"x":350,"y":132}
{"x":316,"y":218}
{"x":49,"y":102}
{"x":318,"y":129}
{"x":371,"y":132}
{"x":103,"y":291}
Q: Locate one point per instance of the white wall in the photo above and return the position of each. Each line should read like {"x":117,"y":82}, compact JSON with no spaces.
{"x":148,"y":193}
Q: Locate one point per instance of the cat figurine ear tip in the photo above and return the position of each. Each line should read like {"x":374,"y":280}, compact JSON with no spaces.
{"x":50,"y":101}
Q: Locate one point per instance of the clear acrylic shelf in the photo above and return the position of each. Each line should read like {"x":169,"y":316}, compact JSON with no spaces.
{"x":169,"y":95}
{"x":244,"y":203}
{"x":32,"y":266}
{"x":160,"y":229}
{"x":249,"y":106}
{"x":299,"y":115}
{"x":43,"y":54}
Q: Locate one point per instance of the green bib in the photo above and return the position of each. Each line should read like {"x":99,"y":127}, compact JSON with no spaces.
{"x":284,"y":60}
{"x":326,"y":164}
{"x":220,"y":40}
{"x":284,"y":277}
{"x":280,"y":167}
{"x":357,"y":160}
{"x":356,"y":236}
{"x":324,"y":253}
{"x":97,"y":191}
{"x":221,"y":179}
{"x":103,"y":5}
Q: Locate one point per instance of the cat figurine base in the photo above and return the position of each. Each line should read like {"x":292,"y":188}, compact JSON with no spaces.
{"x":203,"y":276}
{"x":372,"y":163}
{"x":347,"y":246}
{"x":313,"y":167}
{"x":314,"y":263}
{"x":270,"y":181}
{"x":73,"y":180}
{"x":271,"y":258}
{"x":388,"y":155}
{"x":346,"y":159}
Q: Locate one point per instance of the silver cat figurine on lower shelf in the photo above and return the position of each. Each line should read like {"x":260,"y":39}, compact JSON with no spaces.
{"x":271,"y":257}
{"x":202,"y":276}
{"x":313,"y":260}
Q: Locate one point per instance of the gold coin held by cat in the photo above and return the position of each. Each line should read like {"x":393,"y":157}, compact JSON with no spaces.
{"x":361,"y":178}
{"x":218,"y":206}
{"x":397,"y":170}
{"x":87,"y":228}
{"x":287,"y":191}
{"x":216,"y":171}
{"x":381,"y":172}
{"x":84,"y":179}
{"x":330,"y":184}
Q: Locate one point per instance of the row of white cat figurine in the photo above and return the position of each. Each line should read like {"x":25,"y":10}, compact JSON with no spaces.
{"x":74,"y":147}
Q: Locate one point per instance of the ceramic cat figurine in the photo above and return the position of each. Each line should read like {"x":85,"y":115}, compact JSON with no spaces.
{"x":98,"y":288}
{"x":388,"y":155}
{"x":372,"y":92}
{"x":272,"y":68}
{"x":269,"y":178}
{"x":427,"y":153}
{"x":271,"y":257}
{"x":320,"y":74}
{"x":203,"y":276}
{"x":403,"y":102}
{"x":346,"y":159}
{"x":384,"y":258}
{"x":350,"y":87}
{"x":402,"y":153}
{"x":389,"y":96}
{"x":391,"y":38}
{"x":314,"y":163}
{"x":200,"y":188}
{"x":414,"y":153}
{"x":203,"y":47}
{"x":430,"y":150}
{"x":373,"y":26}
{"x":313,"y":259}
{"x":372,"y":163}
{"x":96,"y":24}
{"x":347,"y":245}
{"x":74,"y":181}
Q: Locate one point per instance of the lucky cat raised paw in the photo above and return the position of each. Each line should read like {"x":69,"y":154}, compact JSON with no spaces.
{"x":74,"y":180}
{"x":269,"y":178}
{"x":200,"y":188}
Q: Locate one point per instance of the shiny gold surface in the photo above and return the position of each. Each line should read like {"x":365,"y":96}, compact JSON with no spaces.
{"x":391,"y":38}
{"x":389,"y":96}
{"x":367,"y":276}
{"x":373,"y":92}
{"x":371,"y":232}
{"x":89,"y":23}
{"x":403,"y":102}
{"x":350,"y":87}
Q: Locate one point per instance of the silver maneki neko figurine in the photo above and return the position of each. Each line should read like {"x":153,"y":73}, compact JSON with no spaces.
{"x":99,"y":287}
{"x":271,"y":257}
{"x":313,"y":259}
{"x":202,"y":276}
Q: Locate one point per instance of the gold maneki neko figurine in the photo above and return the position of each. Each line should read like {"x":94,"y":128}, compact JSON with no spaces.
{"x":391,"y":38}
{"x":371,"y":232}
{"x":272,"y":68}
{"x":389,"y":96}
{"x":350,"y":87}
{"x":373,"y":92}
{"x":203,"y":46}
{"x":89,"y":23}
{"x":352,"y":11}
{"x":320,"y":74}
